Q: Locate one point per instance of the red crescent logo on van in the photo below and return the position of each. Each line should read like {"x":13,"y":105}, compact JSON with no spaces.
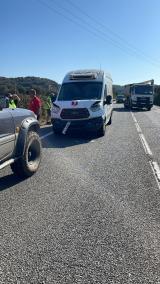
{"x":74,"y":103}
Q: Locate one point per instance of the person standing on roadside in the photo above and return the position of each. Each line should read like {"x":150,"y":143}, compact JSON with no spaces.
{"x":7,"y":100}
{"x":47,"y":107}
{"x":10,"y":101}
{"x":35,"y":103}
{"x":16,"y":99}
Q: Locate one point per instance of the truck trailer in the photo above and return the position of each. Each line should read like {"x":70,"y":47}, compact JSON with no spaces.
{"x":139,"y":95}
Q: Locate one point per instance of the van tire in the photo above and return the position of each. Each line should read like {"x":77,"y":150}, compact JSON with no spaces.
{"x":102,"y":130}
{"x":29,"y":163}
{"x":110,"y":121}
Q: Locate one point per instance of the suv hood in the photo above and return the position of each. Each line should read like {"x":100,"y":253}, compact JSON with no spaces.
{"x":19,"y":114}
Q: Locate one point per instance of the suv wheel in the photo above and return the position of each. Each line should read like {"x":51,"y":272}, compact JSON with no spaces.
{"x":28,"y":164}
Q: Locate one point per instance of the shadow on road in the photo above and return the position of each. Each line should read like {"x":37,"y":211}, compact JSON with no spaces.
{"x":68,"y":140}
{"x":122,"y":109}
{"x":9,"y":181}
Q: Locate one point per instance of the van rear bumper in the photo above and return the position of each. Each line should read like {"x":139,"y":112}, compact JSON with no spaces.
{"x":92,"y":124}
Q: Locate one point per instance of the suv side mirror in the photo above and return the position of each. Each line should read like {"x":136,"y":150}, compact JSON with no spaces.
{"x":108,"y":100}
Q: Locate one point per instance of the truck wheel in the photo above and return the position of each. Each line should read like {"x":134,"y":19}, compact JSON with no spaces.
{"x":29,"y":163}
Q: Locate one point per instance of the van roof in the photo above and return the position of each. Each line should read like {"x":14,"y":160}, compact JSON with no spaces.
{"x":85,"y":74}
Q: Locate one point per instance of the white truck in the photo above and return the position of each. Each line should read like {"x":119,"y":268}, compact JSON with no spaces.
{"x":84,"y":102}
{"x":139,"y":95}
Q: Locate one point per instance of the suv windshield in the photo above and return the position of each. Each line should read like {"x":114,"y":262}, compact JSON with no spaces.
{"x":80,"y":91}
{"x":144,"y":90}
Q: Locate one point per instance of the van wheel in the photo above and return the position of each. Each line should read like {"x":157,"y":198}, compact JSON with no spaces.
{"x":102,"y":130}
{"x":29,"y":163}
{"x":149,"y":108}
{"x":110,"y":120}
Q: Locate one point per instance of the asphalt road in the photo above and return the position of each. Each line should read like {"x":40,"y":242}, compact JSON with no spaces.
{"x":91,"y":214}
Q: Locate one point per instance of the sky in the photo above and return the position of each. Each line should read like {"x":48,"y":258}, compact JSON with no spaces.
{"x":48,"y":38}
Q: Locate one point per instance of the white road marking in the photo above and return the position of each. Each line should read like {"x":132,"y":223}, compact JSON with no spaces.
{"x":143,"y":139}
{"x":157,"y":169}
{"x":66,"y":127}
{"x":46,"y":135}
{"x":138,"y":127}
{"x":154,"y":165}
{"x":135,"y":120}
{"x":156,"y":172}
{"x":145,"y":145}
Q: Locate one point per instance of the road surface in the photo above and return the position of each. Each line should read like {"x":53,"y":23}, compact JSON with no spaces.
{"x":91,"y":214}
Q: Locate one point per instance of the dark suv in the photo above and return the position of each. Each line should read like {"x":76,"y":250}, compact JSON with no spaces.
{"x":20,"y":145}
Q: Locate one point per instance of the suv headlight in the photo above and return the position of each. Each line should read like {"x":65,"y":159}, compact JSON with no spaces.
{"x":96,"y":106}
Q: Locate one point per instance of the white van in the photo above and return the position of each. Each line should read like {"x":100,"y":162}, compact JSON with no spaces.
{"x":84,"y":102}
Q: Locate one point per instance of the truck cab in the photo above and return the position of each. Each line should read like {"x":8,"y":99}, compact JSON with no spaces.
{"x":140,"y":95}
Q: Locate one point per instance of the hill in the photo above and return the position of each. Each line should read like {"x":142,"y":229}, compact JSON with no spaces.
{"x":21,"y":85}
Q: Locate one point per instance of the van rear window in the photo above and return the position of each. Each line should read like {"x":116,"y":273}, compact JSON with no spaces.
{"x":80,"y":91}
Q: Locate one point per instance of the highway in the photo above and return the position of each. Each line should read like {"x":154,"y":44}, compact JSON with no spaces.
{"x":91,"y":214}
